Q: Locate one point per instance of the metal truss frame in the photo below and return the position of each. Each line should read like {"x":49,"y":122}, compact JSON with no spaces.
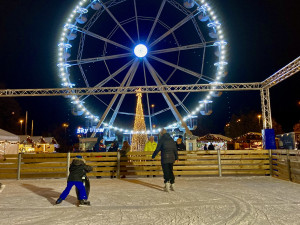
{"x":264,"y":88}
{"x":284,"y":73}
{"x":266,"y":108}
{"x":130,"y":90}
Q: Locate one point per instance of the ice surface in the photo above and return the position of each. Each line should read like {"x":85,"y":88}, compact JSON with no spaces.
{"x":212,"y":200}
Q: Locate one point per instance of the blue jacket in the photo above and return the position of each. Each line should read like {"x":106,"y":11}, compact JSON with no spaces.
{"x":168,"y":149}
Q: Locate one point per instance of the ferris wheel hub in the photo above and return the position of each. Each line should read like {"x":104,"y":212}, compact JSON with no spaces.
{"x":140,"y":50}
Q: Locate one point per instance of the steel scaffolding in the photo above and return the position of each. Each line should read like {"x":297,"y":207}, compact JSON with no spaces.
{"x":264,"y":86}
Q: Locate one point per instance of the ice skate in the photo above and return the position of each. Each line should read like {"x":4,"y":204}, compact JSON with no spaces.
{"x":172,"y":188}
{"x":167,"y":187}
{"x":58,"y":201}
{"x":2,"y":186}
{"x":84,"y":203}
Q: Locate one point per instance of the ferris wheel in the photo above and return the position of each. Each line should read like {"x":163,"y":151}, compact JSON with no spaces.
{"x":141,"y":43}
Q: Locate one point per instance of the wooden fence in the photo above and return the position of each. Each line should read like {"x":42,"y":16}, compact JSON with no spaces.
{"x":286,"y":165}
{"x":108,"y":164}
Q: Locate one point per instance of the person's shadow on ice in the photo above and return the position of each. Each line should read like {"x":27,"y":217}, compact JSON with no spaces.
{"x":48,"y":193}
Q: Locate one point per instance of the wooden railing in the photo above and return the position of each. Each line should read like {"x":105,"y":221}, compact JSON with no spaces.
{"x":286,"y":165}
{"x":198,"y":163}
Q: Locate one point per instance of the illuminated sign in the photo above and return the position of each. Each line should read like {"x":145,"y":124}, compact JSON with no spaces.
{"x":86,"y":130}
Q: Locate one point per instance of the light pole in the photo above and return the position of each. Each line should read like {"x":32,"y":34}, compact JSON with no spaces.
{"x":152,"y":112}
{"x":21,"y":122}
{"x":259,"y":116}
{"x":65,"y":125}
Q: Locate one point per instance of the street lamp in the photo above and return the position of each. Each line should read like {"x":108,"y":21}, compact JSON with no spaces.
{"x":259,"y":116}
{"x":21,"y":122}
{"x":65,"y":125}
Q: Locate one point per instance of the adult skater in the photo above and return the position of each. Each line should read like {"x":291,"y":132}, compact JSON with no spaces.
{"x":77,"y":169}
{"x":169,"y":154}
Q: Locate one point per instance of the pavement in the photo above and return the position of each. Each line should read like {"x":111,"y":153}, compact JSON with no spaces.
{"x":196,"y":200}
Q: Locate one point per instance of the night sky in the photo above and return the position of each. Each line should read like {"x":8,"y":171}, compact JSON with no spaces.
{"x":263,"y":37}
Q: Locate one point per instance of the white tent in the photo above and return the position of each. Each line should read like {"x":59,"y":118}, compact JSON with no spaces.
{"x":9,"y":142}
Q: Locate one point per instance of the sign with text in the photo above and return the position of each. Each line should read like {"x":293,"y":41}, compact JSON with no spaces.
{"x":91,"y":130}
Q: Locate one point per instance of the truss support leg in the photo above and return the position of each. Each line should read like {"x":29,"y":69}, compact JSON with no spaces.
{"x":268,"y":134}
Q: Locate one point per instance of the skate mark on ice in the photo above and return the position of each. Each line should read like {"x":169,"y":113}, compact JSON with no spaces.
{"x":242,"y":210}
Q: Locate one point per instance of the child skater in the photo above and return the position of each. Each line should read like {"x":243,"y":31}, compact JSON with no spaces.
{"x":77,"y":169}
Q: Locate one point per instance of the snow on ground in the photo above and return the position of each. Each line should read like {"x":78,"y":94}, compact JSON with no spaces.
{"x":201,"y":200}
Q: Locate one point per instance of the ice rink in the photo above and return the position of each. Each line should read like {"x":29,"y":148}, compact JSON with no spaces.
{"x":205,"y":200}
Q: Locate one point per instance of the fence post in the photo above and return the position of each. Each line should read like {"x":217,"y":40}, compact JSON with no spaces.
{"x":68,"y":162}
{"x":118,"y":164}
{"x":288,"y":164}
{"x":19,"y":166}
{"x":219,"y":163}
{"x":271,"y":162}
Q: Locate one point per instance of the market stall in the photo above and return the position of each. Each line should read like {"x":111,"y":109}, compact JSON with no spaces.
{"x":217,"y":140}
{"x":8,"y":142}
{"x":250,"y":140}
{"x":37,"y":144}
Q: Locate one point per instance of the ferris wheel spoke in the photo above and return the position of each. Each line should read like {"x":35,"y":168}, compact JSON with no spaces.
{"x":97,"y":59}
{"x":136,"y":20}
{"x":156,"y":19}
{"x":163,"y":110}
{"x":114,"y":74}
{"x":195,"y":74}
{"x":133,"y":67}
{"x":147,"y":96}
{"x":180,"y":48}
{"x":111,"y":77}
{"x":180,"y":103}
{"x":97,"y":36}
{"x":167,"y":97}
{"x":110,"y":73}
{"x":112,"y":120}
{"x":116,"y":21}
{"x":178,"y":25}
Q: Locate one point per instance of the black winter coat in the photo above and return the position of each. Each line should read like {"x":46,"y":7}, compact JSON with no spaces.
{"x":78,"y":169}
{"x":168,"y":149}
{"x":180,"y":147}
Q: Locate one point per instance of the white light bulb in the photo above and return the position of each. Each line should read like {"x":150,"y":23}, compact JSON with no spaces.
{"x":140,"y":50}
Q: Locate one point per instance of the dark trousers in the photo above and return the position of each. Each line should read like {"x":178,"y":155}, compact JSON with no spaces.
{"x":168,"y":172}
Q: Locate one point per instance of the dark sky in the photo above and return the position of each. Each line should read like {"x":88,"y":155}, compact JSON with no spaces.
{"x":263,"y":37}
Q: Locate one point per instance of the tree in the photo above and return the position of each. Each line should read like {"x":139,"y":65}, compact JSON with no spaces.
{"x":297,"y":127}
{"x":10,"y":114}
{"x":277,"y":127}
{"x":242,"y":124}
{"x":139,"y":137}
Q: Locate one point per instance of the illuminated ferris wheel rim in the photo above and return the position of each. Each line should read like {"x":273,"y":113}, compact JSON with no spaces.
{"x":140,"y":51}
